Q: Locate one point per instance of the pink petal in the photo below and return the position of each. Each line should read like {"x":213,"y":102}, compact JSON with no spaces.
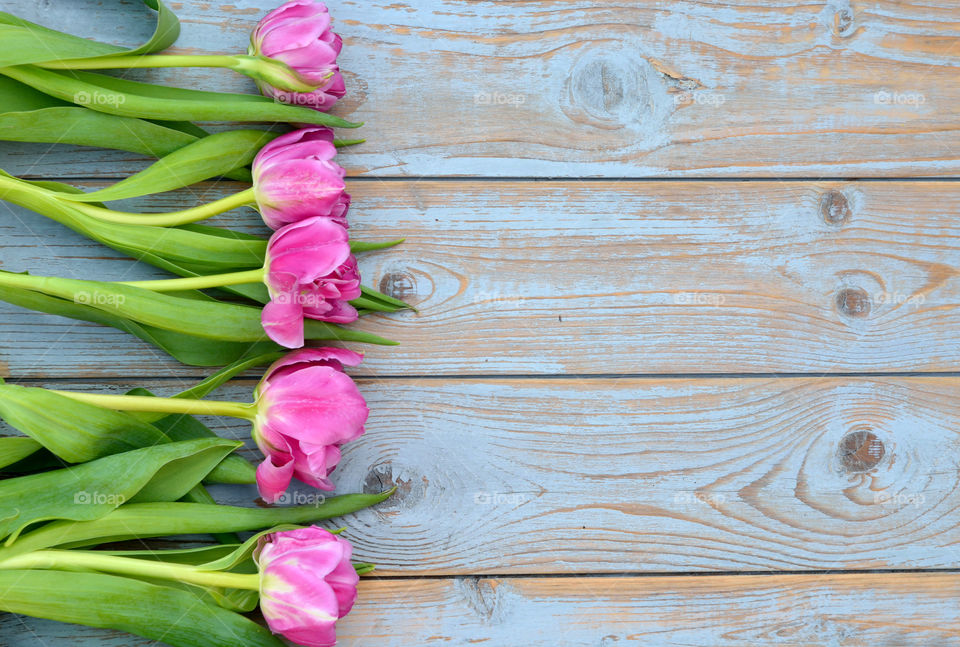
{"x":318,"y":405}
{"x":273,"y":477}
{"x":324,"y":355}
{"x":308,"y":249}
{"x":338,"y":312}
{"x":282,"y":320}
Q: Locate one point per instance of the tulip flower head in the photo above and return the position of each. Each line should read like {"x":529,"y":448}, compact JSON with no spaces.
{"x":298,"y":33}
{"x":307,"y":583}
{"x":295,"y":177}
{"x":307,"y":408}
{"x":311,"y":273}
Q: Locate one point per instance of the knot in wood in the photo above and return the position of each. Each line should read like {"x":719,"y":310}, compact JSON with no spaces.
{"x":860,"y":451}
{"x":834,"y":208}
{"x":853,"y":302}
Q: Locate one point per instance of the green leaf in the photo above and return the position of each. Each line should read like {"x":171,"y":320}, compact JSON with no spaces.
{"x":143,"y":520}
{"x":28,"y":115}
{"x":243,"y":552}
{"x":199,"y":160}
{"x":214,"y":320}
{"x":174,"y":249}
{"x":27,"y":42}
{"x":145,"y":101}
{"x":19,"y":97}
{"x":233,"y":469}
{"x":15,"y":448}
{"x":200,"y":494}
{"x":187,"y":349}
{"x":375,"y":301}
{"x":74,"y":431}
{"x":85,"y":127}
{"x":165,"y":614}
{"x":359,"y":246}
{"x":192,"y":556}
{"x":91,"y":490}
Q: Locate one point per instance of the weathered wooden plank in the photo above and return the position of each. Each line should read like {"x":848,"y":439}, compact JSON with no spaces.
{"x":594,"y":277}
{"x":684,"y":611}
{"x":728,"y":611}
{"x":599,"y":88}
{"x":626,"y":475}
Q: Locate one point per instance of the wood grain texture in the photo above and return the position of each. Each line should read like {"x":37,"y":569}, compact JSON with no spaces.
{"x":730,"y":611}
{"x":601,"y":88}
{"x":655,"y":277}
{"x":547,"y":494}
{"x":580,"y":476}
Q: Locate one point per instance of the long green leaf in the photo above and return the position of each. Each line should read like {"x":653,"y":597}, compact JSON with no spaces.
{"x":28,"y":115}
{"x":85,"y":127}
{"x":91,"y":490}
{"x":211,"y":156}
{"x":74,"y":431}
{"x":233,"y":469}
{"x":27,"y":42}
{"x":15,"y":448}
{"x":214,"y":320}
{"x":145,"y":101}
{"x":141,"y":520}
{"x":187,"y":349}
{"x":166,"y":614}
{"x":174,"y":249}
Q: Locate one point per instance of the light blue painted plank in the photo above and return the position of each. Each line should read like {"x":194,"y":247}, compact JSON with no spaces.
{"x":579,"y":476}
{"x":595,"y":88}
{"x":598,"y":277}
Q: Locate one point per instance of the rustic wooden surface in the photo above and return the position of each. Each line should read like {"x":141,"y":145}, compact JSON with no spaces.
{"x":685,"y":367}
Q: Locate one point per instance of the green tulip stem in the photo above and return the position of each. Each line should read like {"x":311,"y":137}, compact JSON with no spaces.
{"x":258,"y":67}
{"x":247,"y":411}
{"x":74,"y":559}
{"x":199,"y":282}
{"x":243,"y":198}
{"x":127,"y":62}
{"x":19,"y":191}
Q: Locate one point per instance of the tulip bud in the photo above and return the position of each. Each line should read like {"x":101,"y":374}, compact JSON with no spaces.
{"x":307,"y":583}
{"x":310,"y":273}
{"x":298,"y":33}
{"x":295,"y":177}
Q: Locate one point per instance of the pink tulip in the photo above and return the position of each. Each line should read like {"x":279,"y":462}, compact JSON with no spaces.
{"x":307,"y":583}
{"x":295,"y":177}
{"x":298,"y":33}
{"x":311,"y":273}
{"x":307,"y":407}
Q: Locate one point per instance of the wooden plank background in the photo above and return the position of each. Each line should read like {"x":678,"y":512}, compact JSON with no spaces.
{"x":685,"y":366}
